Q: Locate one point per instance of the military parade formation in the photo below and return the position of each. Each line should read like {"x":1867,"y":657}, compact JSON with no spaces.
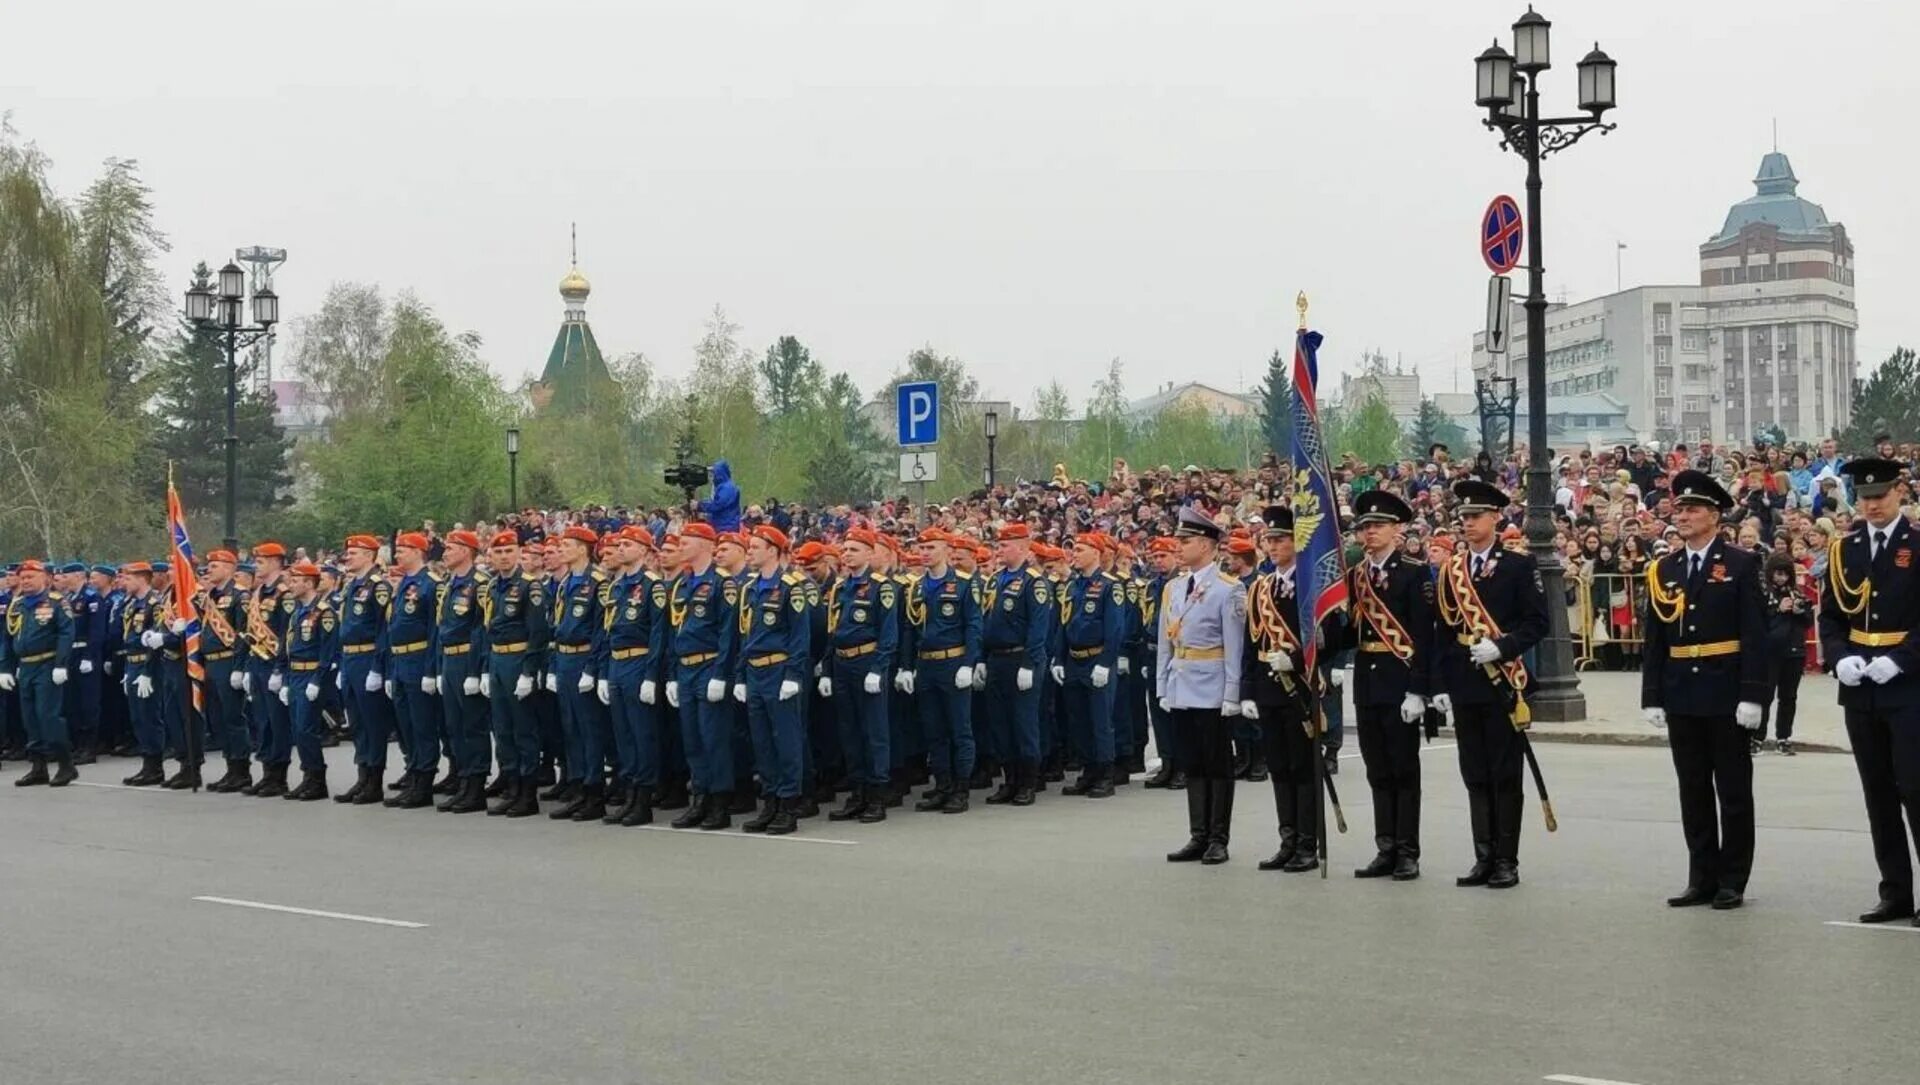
{"x":719,"y":674}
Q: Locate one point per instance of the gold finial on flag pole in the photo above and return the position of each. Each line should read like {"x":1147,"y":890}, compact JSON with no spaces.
{"x":1300,"y":304}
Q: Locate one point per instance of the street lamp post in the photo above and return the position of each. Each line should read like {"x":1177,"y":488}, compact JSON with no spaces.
{"x":993,"y":434}
{"x":513,"y":469}
{"x":220,"y":313}
{"x":1507,"y":86}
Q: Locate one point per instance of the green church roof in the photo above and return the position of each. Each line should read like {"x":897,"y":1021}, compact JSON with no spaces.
{"x":1776,"y":202}
{"x":576,"y":374}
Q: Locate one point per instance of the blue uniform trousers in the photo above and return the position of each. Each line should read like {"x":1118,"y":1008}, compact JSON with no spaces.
{"x":466,"y":717}
{"x":1122,"y":720}
{"x":226,"y":709}
{"x":1089,"y":720}
{"x":706,"y":728}
{"x":583,"y":721}
{"x":149,"y":734}
{"x":865,"y":734}
{"x":826,"y":761}
{"x":1012,"y":714}
{"x":83,"y":707}
{"x":946,"y":719}
{"x":42,"y":711}
{"x":516,"y":728}
{"x":372,"y":713}
{"x":546,"y":714}
{"x":743,"y":759}
{"x":777,"y":733}
{"x":636,"y":725}
{"x":271,"y":722}
{"x":169,"y":684}
{"x":903,"y":717}
{"x":114,"y":725}
{"x":304,"y":715}
{"x":418,"y":718}
{"x":1051,"y":743}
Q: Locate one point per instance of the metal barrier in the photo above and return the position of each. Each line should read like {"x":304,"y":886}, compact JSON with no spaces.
{"x":1606,"y":622}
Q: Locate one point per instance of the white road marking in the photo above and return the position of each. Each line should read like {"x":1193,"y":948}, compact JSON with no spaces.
{"x":1904,"y":928}
{"x":313,"y":912}
{"x":1576,"y":1079}
{"x":791,"y":838}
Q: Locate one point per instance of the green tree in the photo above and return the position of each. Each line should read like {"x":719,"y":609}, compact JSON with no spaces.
{"x":1434,"y":426}
{"x":1108,"y":428}
{"x":1276,"y":406}
{"x":837,"y":475}
{"x":1888,"y":401}
{"x":1370,"y":432}
{"x":341,"y":348}
{"x":1185,"y":432}
{"x":793,"y":377}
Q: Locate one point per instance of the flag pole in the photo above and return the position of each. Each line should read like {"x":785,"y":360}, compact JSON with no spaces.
{"x":190,"y":727}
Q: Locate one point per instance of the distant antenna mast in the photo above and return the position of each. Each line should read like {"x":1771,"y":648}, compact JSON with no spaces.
{"x":261,"y":262}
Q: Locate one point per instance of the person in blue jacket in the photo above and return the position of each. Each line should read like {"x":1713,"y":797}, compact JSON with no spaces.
{"x":722,"y":510}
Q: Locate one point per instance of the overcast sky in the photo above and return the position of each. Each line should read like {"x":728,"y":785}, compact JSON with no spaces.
{"x":1034,"y":186}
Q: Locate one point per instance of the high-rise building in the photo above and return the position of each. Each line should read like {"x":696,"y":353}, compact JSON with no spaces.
{"x":1765,"y":339}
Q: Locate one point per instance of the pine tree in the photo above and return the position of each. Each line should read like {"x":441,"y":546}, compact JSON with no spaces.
{"x":1434,"y":426}
{"x":1887,"y":402}
{"x":1276,"y":407}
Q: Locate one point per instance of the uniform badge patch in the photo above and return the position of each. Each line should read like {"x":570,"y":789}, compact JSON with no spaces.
{"x":1902,"y":559}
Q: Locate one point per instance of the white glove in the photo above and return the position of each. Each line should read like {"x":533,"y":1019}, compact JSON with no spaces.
{"x":274,"y":682}
{"x":963,"y":678}
{"x":1850,"y":670}
{"x":585,"y":685}
{"x":486,"y":685}
{"x":789,"y":689}
{"x":430,"y":686}
{"x":1230,"y":708}
{"x":604,"y":691}
{"x":980,"y":675}
{"x":1099,"y":676}
{"x":1656,"y":717}
{"x":391,"y":687}
{"x":673,"y":694}
{"x":246,"y":681}
{"x":1164,"y":706}
{"x":1023,"y":679}
{"x":1443,"y":702}
{"x":905,"y":681}
{"x":553,"y":682}
{"x":1747,"y":715}
{"x":716,"y":691}
{"x":238,"y":679}
{"x":826,"y":687}
{"x":1484,"y":651}
{"x":1882,"y":670}
{"x":59,"y":676}
{"x":374,"y":682}
{"x":649,"y":691}
{"x":283,"y":695}
{"x":153,"y":638}
{"x":820,"y":669}
{"x":1280,"y":662}
{"x":142,"y":686}
{"x":313,"y":691}
{"x":1126,"y":665}
{"x":7,"y":682}
{"x":340,"y":681}
{"x":523,"y":687}
{"x":1250,"y":710}
{"x":740,"y":692}
{"x":1338,"y":676}
{"x":86,"y":667}
{"x":1412,"y":707}
{"x":1059,"y":675}
{"x":178,"y":625}
{"x":470,"y":686}
{"x":872,"y":682}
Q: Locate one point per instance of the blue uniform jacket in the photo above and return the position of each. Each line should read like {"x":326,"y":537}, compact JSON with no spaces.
{"x":774,"y":622}
{"x":410,"y":622}
{"x":1019,"y":616}
{"x":1093,"y":620}
{"x":945,"y":613}
{"x":865,"y":610}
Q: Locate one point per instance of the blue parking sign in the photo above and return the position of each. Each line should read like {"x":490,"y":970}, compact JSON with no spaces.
{"x":918,"y":411}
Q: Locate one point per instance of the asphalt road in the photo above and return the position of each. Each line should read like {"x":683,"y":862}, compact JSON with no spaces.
{"x":1051,"y":944}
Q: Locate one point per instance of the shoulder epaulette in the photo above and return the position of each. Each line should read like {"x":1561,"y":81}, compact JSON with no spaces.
{"x":55,"y":596}
{"x":793,"y":577}
{"x":963,"y":576}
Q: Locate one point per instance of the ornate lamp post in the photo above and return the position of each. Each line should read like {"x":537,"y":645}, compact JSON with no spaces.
{"x":220,"y":312}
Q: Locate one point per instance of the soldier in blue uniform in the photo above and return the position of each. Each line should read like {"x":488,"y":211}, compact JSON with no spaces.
{"x":1162,"y":556}
{"x":1201,"y":640}
{"x":703,"y":637}
{"x":579,"y":647}
{"x":1393,"y":633}
{"x":1493,"y":610}
{"x":516,"y":647}
{"x":222,"y":649}
{"x":826,"y":763}
{"x":945,"y":616}
{"x":91,"y":612}
{"x":366,"y":608}
{"x":409,"y":673}
{"x":771,"y":672}
{"x":1130,"y":704}
{"x":546,"y":699}
{"x":1093,"y":619}
{"x":1053,"y":743}
{"x":636,"y":623}
{"x":1018,"y":620}
{"x":309,"y":658}
{"x":1704,"y":674}
{"x":1870,"y":630}
{"x":114,"y":735}
{"x":863,"y":625}
{"x":457,"y":662}
{"x":34,"y":649}
{"x":269,"y":611}
{"x":730,"y":559}
{"x":140,"y":619}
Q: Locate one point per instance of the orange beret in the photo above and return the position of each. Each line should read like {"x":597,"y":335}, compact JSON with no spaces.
{"x":1510,"y":532}
{"x":1163,"y":545}
{"x":982,"y":551}
{"x":137,"y":567}
{"x":809,"y":552}
{"x":699,"y":531}
{"x":363,"y":542}
{"x":670,"y":540}
{"x":934,"y":534}
{"x":580,"y":533}
{"x":1126,"y":551}
{"x":269,"y":550}
{"x":890,"y":542}
{"x":1089,"y":539}
{"x":307,"y":569}
{"x":412,"y":540}
{"x":1240,"y":545}
{"x":223,"y":555}
{"x":636,"y":533}
{"x":773,"y":535}
{"x":864,"y":536}
{"x":734,"y":537}
{"x":1014,"y":531}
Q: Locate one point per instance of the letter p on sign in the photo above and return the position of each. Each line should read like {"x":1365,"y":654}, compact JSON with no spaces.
{"x":918,"y":410}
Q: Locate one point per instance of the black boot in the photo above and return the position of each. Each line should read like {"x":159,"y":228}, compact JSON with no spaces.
{"x":876,"y":806}
{"x":1122,"y":775}
{"x":982,"y":778}
{"x":313,"y":786}
{"x":401,"y":788}
{"x":420,"y":794}
{"x":1100,"y":780}
{"x":1509,"y":808}
{"x":253,"y":788}
{"x":448,"y":784}
{"x":805,"y":806}
{"x":1406,"y":836}
{"x":639,"y":809}
{"x":273,"y":782}
{"x":1081,"y":785}
{"x":374,"y":791}
{"x":187,"y":779}
{"x":559,"y":792}
{"x":544,"y":776}
{"x":1179,"y":781}
{"x":1289,"y":847}
{"x":855,"y":805}
{"x":1257,"y":766}
{"x":1026,"y":777}
{"x":1196,"y":845}
{"x":593,"y":803}
{"x":1219,"y":820}
{"x":935,"y":796}
{"x":66,"y":774}
{"x":574,"y":796}
{"x":472,"y":799}
{"x":719,"y":812}
{"x":1383,"y":825}
{"x":508,"y":797}
{"x":694,"y":814}
{"x":1162,"y":777}
{"x":758,"y":823}
{"x":1480,"y":813}
{"x":617,"y":804}
{"x":152,"y":772}
{"x":958,"y":800}
{"x":500,"y":785}
{"x":359,"y":785}
{"x":526,"y":802}
{"x":784,"y":820}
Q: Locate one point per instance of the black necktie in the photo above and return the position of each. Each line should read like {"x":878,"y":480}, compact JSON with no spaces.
{"x":1879,"y":543}
{"x":1478,"y":561}
{"x":1192,"y":583}
{"x":1695,"y":574}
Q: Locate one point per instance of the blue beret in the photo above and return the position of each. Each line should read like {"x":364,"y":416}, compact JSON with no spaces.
{"x":247,"y":567}
{"x":330,"y":569}
{"x":163,"y":565}
{"x":105,"y":570}
{"x":73,"y":567}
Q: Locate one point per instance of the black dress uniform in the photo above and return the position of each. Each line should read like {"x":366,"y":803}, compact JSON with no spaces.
{"x":1392,"y":634}
{"x":1706,"y":643}
{"x":1272,"y":682}
{"x":1869,"y":614}
{"x":1493,"y":596}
